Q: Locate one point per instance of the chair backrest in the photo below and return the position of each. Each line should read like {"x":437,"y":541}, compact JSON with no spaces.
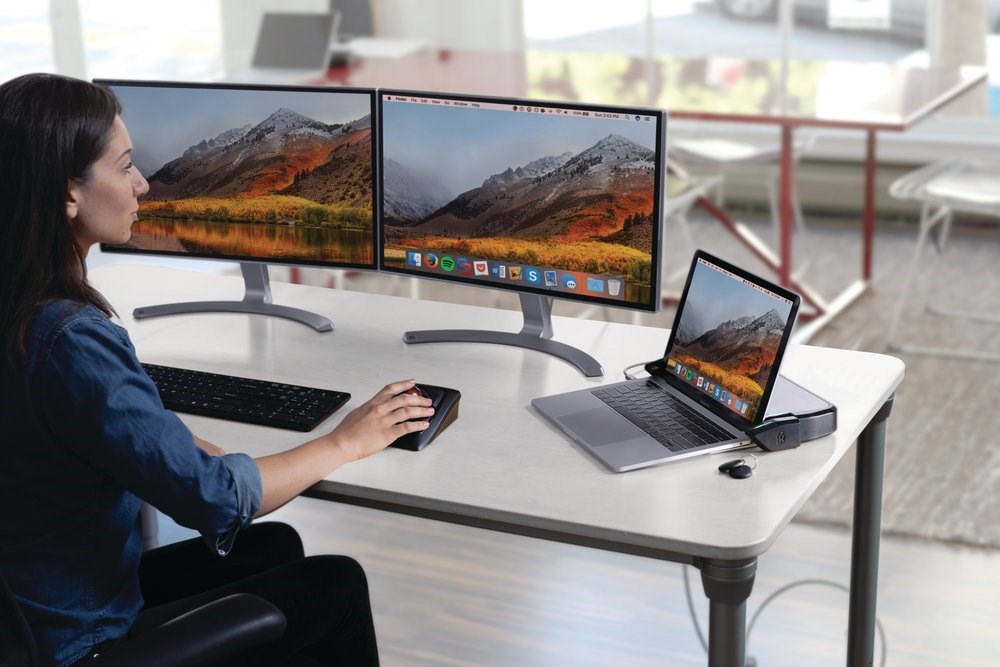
{"x":209,"y":635}
{"x":17,"y":644}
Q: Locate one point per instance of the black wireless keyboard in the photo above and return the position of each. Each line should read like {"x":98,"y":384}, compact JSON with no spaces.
{"x":244,"y":400}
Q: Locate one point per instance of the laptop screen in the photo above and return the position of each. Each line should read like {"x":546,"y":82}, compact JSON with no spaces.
{"x":729,"y":336}
{"x":294,"y":41}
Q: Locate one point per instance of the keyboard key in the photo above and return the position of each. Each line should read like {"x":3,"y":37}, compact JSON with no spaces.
{"x":668,"y":420}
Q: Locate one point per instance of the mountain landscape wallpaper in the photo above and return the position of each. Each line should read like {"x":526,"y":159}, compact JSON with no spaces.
{"x":555,"y":191}
{"x":284,"y":175}
{"x":730,"y":335}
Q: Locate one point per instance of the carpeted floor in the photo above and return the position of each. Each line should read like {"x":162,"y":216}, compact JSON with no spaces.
{"x":942,"y":478}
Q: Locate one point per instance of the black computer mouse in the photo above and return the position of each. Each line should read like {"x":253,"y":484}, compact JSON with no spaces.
{"x":741,"y":471}
{"x":737,"y":468}
{"x":445,"y":404}
{"x":416,"y":390}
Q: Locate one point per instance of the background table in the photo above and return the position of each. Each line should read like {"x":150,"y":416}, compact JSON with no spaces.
{"x":868,"y":97}
{"x":501,"y":466}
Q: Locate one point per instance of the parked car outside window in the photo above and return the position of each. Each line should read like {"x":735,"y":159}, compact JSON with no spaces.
{"x":907,"y":17}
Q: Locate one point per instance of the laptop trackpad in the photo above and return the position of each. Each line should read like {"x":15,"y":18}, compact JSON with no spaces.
{"x":600,"y":427}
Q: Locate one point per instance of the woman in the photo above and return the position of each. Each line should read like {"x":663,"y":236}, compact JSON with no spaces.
{"x":86,"y":436}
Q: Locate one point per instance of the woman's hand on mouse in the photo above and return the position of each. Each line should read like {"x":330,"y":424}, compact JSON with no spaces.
{"x":381,"y":420}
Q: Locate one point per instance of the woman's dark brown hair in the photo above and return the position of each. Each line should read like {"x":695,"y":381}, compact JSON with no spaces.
{"x":52,"y":129}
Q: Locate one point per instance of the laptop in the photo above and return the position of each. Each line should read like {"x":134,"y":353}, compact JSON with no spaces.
{"x":712,"y":384}
{"x":291,"y":48}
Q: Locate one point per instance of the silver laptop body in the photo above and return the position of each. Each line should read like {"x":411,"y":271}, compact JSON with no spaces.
{"x":721,"y":362}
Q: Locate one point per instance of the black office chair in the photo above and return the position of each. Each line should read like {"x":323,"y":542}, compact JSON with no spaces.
{"x":202,"y":637}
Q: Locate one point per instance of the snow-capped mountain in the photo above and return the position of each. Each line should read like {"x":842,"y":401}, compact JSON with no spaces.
{"x":410,"y":195}
{"x":746,"y":345}
{"x":539,"y":167}
{"x":281,"y":153}
{"x":585,"y":196}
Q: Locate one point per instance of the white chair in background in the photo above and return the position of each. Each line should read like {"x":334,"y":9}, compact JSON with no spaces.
{"x":754,"y":161}
{"x":944,"y":188}
{"x":683,"y":191}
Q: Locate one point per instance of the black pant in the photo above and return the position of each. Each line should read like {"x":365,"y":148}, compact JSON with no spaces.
{"x":324,"y":598}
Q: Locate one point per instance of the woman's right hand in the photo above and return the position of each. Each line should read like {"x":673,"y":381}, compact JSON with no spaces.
{"x":381,"y":420}
{"x":364,"y":431}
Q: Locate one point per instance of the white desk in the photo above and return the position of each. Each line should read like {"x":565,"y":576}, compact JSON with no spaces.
{"x":500,"y":466}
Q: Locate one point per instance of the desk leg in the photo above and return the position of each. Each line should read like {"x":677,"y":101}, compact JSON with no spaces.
{"x":786,"y":213}
{"x":868,"y":222}
{"x":761,"y":251}
{"x":865,"y":542}
{"x":727,"y":585}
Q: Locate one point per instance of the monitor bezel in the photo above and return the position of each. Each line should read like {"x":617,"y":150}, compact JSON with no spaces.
{"x":659,"y":185}
{"x":336,"y":90}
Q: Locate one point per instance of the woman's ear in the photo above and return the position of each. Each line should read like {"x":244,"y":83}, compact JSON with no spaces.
{"x":73,"y":195}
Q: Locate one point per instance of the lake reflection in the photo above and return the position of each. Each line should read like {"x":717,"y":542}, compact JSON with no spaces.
{"x":270,"y":241}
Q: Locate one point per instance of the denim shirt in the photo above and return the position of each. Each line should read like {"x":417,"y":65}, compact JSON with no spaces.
{"x":85,"y":437}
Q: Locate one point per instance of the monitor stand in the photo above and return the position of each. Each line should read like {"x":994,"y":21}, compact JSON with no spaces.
{"x":536,"y":334}
{"x":256,"y":300}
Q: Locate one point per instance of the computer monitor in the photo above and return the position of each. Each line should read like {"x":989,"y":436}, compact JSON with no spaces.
{"x":256,"y":174}
{"x":548,"y":199}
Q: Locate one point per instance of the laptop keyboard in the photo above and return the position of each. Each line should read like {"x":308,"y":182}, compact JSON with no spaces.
{"x":666,"y":419}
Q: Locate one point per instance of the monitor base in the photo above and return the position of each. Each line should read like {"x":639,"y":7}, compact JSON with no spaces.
{"x":535,"y":335}
{"x":256,"y":301}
